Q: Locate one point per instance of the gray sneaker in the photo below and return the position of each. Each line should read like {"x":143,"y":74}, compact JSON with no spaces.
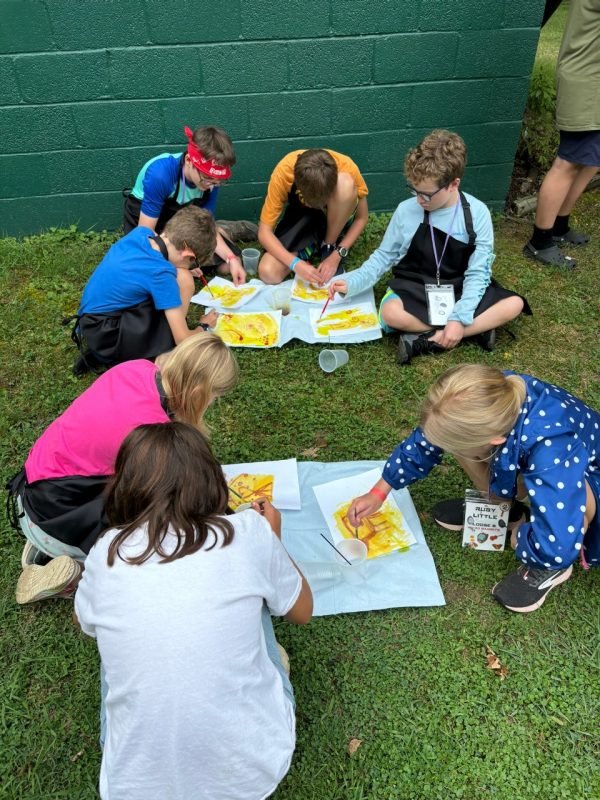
{"x":239,"y":230}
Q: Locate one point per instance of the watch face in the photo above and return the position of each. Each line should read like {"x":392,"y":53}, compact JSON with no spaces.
{"x":343,"y":251}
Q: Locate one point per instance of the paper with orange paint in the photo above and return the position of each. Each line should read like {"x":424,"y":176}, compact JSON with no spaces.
{"x":343,"y":319}
{"x":249,"y":328}
{"x":226,"y":295}
{"x":275,"y":480}
{"x":383,"y":532}
{"x":312,"y":293}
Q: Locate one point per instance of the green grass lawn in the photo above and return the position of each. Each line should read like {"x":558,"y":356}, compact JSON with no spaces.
{"x":411,"y":684}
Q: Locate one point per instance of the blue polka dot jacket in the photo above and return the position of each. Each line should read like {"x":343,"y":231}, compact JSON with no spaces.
{"x":555,"y":447}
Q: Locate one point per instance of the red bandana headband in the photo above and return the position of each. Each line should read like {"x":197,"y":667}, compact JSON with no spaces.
{"x":204,"y":165}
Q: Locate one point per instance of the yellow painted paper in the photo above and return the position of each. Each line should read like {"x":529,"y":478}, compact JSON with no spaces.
{"x":382,"y":532}
{"x":310,"y":291}
{"x":250,"y":487}
{"x":227,"y":295}
{"x":346,"y":319}
{"x":252,"y":330}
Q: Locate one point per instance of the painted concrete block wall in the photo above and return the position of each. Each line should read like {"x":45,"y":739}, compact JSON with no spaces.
{"x":90,"y":90}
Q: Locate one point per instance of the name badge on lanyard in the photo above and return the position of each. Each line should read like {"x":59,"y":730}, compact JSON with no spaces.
{"x":440,"y":297}
{"x":440,"y":302}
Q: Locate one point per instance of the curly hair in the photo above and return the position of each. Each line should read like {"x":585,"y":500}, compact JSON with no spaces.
{"x":441,"y":157}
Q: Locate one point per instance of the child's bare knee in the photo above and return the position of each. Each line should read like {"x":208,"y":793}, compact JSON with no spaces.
{"x":270,"y":270}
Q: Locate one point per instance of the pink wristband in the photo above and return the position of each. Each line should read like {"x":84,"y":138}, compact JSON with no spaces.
{"x":378,"y":493}
{"x":230,"y":257}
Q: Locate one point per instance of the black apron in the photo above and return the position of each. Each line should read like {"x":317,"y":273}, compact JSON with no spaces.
{"x":70,"y":509}
{"x":133,"y":206}
{"x":301,"y":228}
{"x":418,"y":268}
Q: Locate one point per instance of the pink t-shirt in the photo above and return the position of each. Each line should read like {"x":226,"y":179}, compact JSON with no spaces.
{"x":85,"y":439}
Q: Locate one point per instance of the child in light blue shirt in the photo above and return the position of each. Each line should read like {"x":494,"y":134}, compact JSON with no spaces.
{"x":439,"y":246}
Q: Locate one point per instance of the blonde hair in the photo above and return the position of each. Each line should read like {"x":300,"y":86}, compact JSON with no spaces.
{"x":441,"y":157}
{"x":197,"y":370}
{"x":470,"y":405}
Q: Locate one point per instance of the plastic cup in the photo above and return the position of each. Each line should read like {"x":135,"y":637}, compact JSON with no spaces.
{"x":250,"y":256}
{"x":354,"y":550}
{"x":330,"y":360}
{"x":281,"y":299}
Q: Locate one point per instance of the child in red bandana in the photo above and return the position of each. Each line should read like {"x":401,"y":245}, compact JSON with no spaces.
{"x":169,"y":182}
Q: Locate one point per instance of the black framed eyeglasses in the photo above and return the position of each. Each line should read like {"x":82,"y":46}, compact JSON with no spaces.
{"x":425,"y":196}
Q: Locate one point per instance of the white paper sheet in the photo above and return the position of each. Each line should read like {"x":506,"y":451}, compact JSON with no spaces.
{"x":244,"y":293}
{"x":383,"y":533}
{"x":286,"y":489}
{"x":306,"y":292}
{"x":232,"y":328}
{"x":401,"y":579}
{"x":333,"y":320}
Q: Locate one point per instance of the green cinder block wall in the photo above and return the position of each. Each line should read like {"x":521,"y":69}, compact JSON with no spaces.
{"x":90,"y":89}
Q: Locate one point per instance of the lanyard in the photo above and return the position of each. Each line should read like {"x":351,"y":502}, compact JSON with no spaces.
{"x":438,"y":261}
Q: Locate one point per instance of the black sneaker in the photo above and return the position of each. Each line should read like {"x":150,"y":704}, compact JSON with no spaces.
{"x":421,"y":345}
{"x":487,"y":340}
{"x":450,"y":514}
{"x":525,"y":589}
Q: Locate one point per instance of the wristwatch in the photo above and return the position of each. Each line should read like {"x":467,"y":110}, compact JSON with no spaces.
{"x":343,"y":251}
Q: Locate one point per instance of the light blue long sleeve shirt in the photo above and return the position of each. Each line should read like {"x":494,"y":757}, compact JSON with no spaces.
{"x":398,"y":236}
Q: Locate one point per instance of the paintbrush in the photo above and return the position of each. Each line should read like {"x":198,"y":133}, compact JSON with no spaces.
{"x":335,"y":548}
{"x":205,"y":282}
{"x":324,"y":307}
{"x":261,"y":503}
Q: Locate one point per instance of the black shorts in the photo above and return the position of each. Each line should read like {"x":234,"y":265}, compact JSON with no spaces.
{"x":580,"y":147}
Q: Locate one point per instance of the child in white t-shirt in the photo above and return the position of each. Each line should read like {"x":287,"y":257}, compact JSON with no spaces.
{"x":178,"y":596}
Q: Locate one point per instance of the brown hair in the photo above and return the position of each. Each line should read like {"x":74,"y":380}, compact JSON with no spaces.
{"x":315,"y":175}
{"x":199,"y":369}
{"x":193,"y":228}
{"x":215,"y":144}
{"x":167,"y":478}
{"x":441,"y":156}
{"x":469,"y":405}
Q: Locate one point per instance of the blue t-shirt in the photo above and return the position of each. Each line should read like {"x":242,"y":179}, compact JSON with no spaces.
{"x":161,"y":178}
{"x":130,"y":273}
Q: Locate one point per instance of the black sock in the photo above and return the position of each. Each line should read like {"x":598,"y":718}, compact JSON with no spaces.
{"x":561,"y":225}
{"x":542,"y":238}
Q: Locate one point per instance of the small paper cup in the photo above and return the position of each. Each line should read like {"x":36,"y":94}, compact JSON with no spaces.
{"x":330,"y":360}
{"x":250,"y":257}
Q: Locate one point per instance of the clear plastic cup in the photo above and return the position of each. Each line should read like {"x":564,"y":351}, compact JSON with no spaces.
{"x":281,"y":299}
{"x":250,"y":257}
{"x":330,"y":360}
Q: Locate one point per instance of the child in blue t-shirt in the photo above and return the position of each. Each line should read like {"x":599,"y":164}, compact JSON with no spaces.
{"x":170,"y":182}
{"x":135,"y":303}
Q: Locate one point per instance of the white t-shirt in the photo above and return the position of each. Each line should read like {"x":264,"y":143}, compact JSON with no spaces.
{"x":195,"y":707}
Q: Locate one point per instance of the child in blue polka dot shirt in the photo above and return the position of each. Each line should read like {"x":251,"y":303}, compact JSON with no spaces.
{"x":516,"y":437}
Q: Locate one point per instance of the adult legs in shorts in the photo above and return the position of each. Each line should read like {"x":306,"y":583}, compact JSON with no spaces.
{"x":577,"y":162}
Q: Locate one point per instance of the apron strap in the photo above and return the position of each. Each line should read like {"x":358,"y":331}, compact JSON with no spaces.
{"x":161,"y":245}
{"x":163,"y":396}
{"x":468,"y":218}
